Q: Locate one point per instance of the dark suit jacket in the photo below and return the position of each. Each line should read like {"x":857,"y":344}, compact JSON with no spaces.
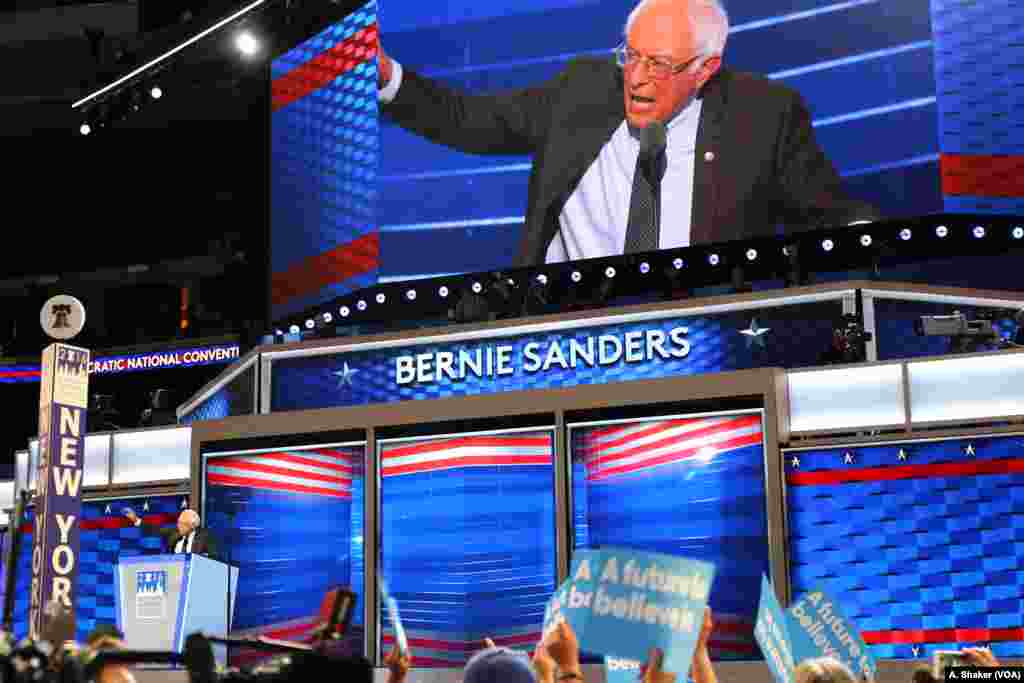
{"x":203,"y":544}
{"x":766,"y":168}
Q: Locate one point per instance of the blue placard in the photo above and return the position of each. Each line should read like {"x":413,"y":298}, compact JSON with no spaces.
{"x":619,"y":670}
{"x":772,"y":633}
{"x":819,"y":629}
{"x":151,"y":583}
{"x":622,"y":603}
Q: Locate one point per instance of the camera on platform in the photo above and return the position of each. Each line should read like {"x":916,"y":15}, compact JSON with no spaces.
{"x":956,"y":325}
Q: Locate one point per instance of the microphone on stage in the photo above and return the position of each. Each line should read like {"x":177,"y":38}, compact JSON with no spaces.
{"x":653,"y":139}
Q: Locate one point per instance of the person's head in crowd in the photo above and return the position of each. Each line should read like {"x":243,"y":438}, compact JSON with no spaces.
{"x":115,"y":672}
{"x":499,"y":665}
{"x":188,"y":521}
{"x":671,"y":49}
{"x":823,"y":670}
{"x":103,"y":631}
{"x":923,"y":674}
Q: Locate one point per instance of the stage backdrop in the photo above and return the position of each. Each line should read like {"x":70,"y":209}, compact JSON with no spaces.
{"x":106,"y":536}
{"x":291,"y":519}
{"x":688,"y":486}
{"x":920,"y":541}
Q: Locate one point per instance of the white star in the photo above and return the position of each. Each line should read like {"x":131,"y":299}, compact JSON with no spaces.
{"x":107,"y":510}
{"x":145,"y":506}
{"x":345,"y":375}
{"x":795,"y":462}
{"x":848,"y":458}
{"x":915,"y":650}
{"x":902,"y":455}
{"x":970,"y":449}
{"x":184,"y":503}
{"x":754,"y":333}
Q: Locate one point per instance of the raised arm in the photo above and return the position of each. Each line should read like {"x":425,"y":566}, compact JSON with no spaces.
{"x":513,"y":122}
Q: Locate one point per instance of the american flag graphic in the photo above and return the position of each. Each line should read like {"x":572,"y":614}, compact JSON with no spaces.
{"x":466,"y":451}
{"x":317,"y":471}
{"x":635,"y":446}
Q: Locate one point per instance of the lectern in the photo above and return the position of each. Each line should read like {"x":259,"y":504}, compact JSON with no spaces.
{"x":160,"y":599}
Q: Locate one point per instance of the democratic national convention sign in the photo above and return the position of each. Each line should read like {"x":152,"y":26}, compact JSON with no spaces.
{"x":813,"y":626}
{"x":621,"y":603}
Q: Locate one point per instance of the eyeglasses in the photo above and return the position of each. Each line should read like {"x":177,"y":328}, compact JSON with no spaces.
{"x":659,"y":67}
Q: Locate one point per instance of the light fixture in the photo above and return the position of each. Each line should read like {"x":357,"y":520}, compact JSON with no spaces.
{"x":411,"y":295}
{"x":361,"y":305}
{"x":542,"y":279}
{"x":380,"y":298}
{"x":751,"y":254}
{"x":828,"y":245}
{"x":85,"y":129}
{"x":645,"y":268}
{"x":906,"y":234}
{"x":941,"y":231}
{"x":344,"y":311}
{"x":156,"y":92}
{"x":328,"y":318}
{"x":1018,"y":233}
{"x":865,"y":240}
{"x":978,"y":231}
{"x":310,"y":324}
{"x":443,"y":292}
{"x":247,"y":44}
{"x":678,"y":263}
{"x":609,"y":272}
{"x":576,"y":276}
{"x":294,"y":329}
{"x":713,"y":259}
{"x":477,"y":288}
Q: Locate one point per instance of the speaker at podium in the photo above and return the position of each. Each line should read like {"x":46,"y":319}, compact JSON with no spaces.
{"x":161,"y":599}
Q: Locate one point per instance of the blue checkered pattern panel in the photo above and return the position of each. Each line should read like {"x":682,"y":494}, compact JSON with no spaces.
{"x":716,"y":511}
{"x":922,"y":542}
{"x":105,"y":537}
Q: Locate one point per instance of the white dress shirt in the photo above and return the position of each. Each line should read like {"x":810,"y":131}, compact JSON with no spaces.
{"x":184,"y":545}
{"x":593,"y":220}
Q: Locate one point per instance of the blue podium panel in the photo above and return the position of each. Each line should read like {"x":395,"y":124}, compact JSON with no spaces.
{"x":687,"y":486}
{"x":922,"y":542}
{"x":291,"y":519}
{"x":163,"y":598}
{"x":468,"y":540}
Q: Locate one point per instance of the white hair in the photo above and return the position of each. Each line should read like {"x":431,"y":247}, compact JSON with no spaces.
{"x":711,"y":24}
{"x":192,"y":516}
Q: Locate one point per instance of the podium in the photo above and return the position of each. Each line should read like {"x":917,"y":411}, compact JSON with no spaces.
{"x":161,"y":599}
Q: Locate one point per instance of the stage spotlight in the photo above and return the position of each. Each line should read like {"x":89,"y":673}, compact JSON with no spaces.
{"x":827,"y":245}
{"x":714,"y":259}
{"x":609,"y":272}
{"x":1018,"y":233}
{"x":310,"y":324}
{"x":328,"y":318}
{"x":278,"y":333}
{"x":85,"y":129}
{"x":380,"y":298}
{"x":865,"y":240}
{"x":906,"y":234}
{"x":576,"y":276}
{"x":443,"y":292}
{"x":344,"y":311}
{"x":645,"y":268}
{"x":477,"y":288}
{"x":294,"y":329}
{"x":361,"y":305}
{"x":678,"y":263}
{"x":978,"y":231}
{"x":941,"y":231}
{"x":751,"y":254}
{"x":247,"y":44}
{"x":542,"y":279}
{"x":411,"y":295}
{"x":156,"y":92}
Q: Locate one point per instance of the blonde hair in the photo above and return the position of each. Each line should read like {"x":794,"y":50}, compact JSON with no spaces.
{"x":711,"y":24}
{"x":823,"y":670}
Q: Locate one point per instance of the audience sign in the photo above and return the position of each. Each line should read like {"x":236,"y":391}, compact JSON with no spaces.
{"x":813,"y":626}
{"x":622,"y":603}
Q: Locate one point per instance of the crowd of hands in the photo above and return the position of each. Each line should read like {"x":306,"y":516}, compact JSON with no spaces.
{"x":557,"y":658}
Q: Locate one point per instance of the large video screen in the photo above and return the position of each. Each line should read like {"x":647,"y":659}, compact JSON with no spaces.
{"x":687,"y":486}
{"x":920,"y":541}
{"x":467,"y":530}
{"x":354,"y":205}
{"x":291,"y":519}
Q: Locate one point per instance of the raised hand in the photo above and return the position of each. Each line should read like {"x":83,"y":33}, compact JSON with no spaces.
{"x":384,"y":66}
